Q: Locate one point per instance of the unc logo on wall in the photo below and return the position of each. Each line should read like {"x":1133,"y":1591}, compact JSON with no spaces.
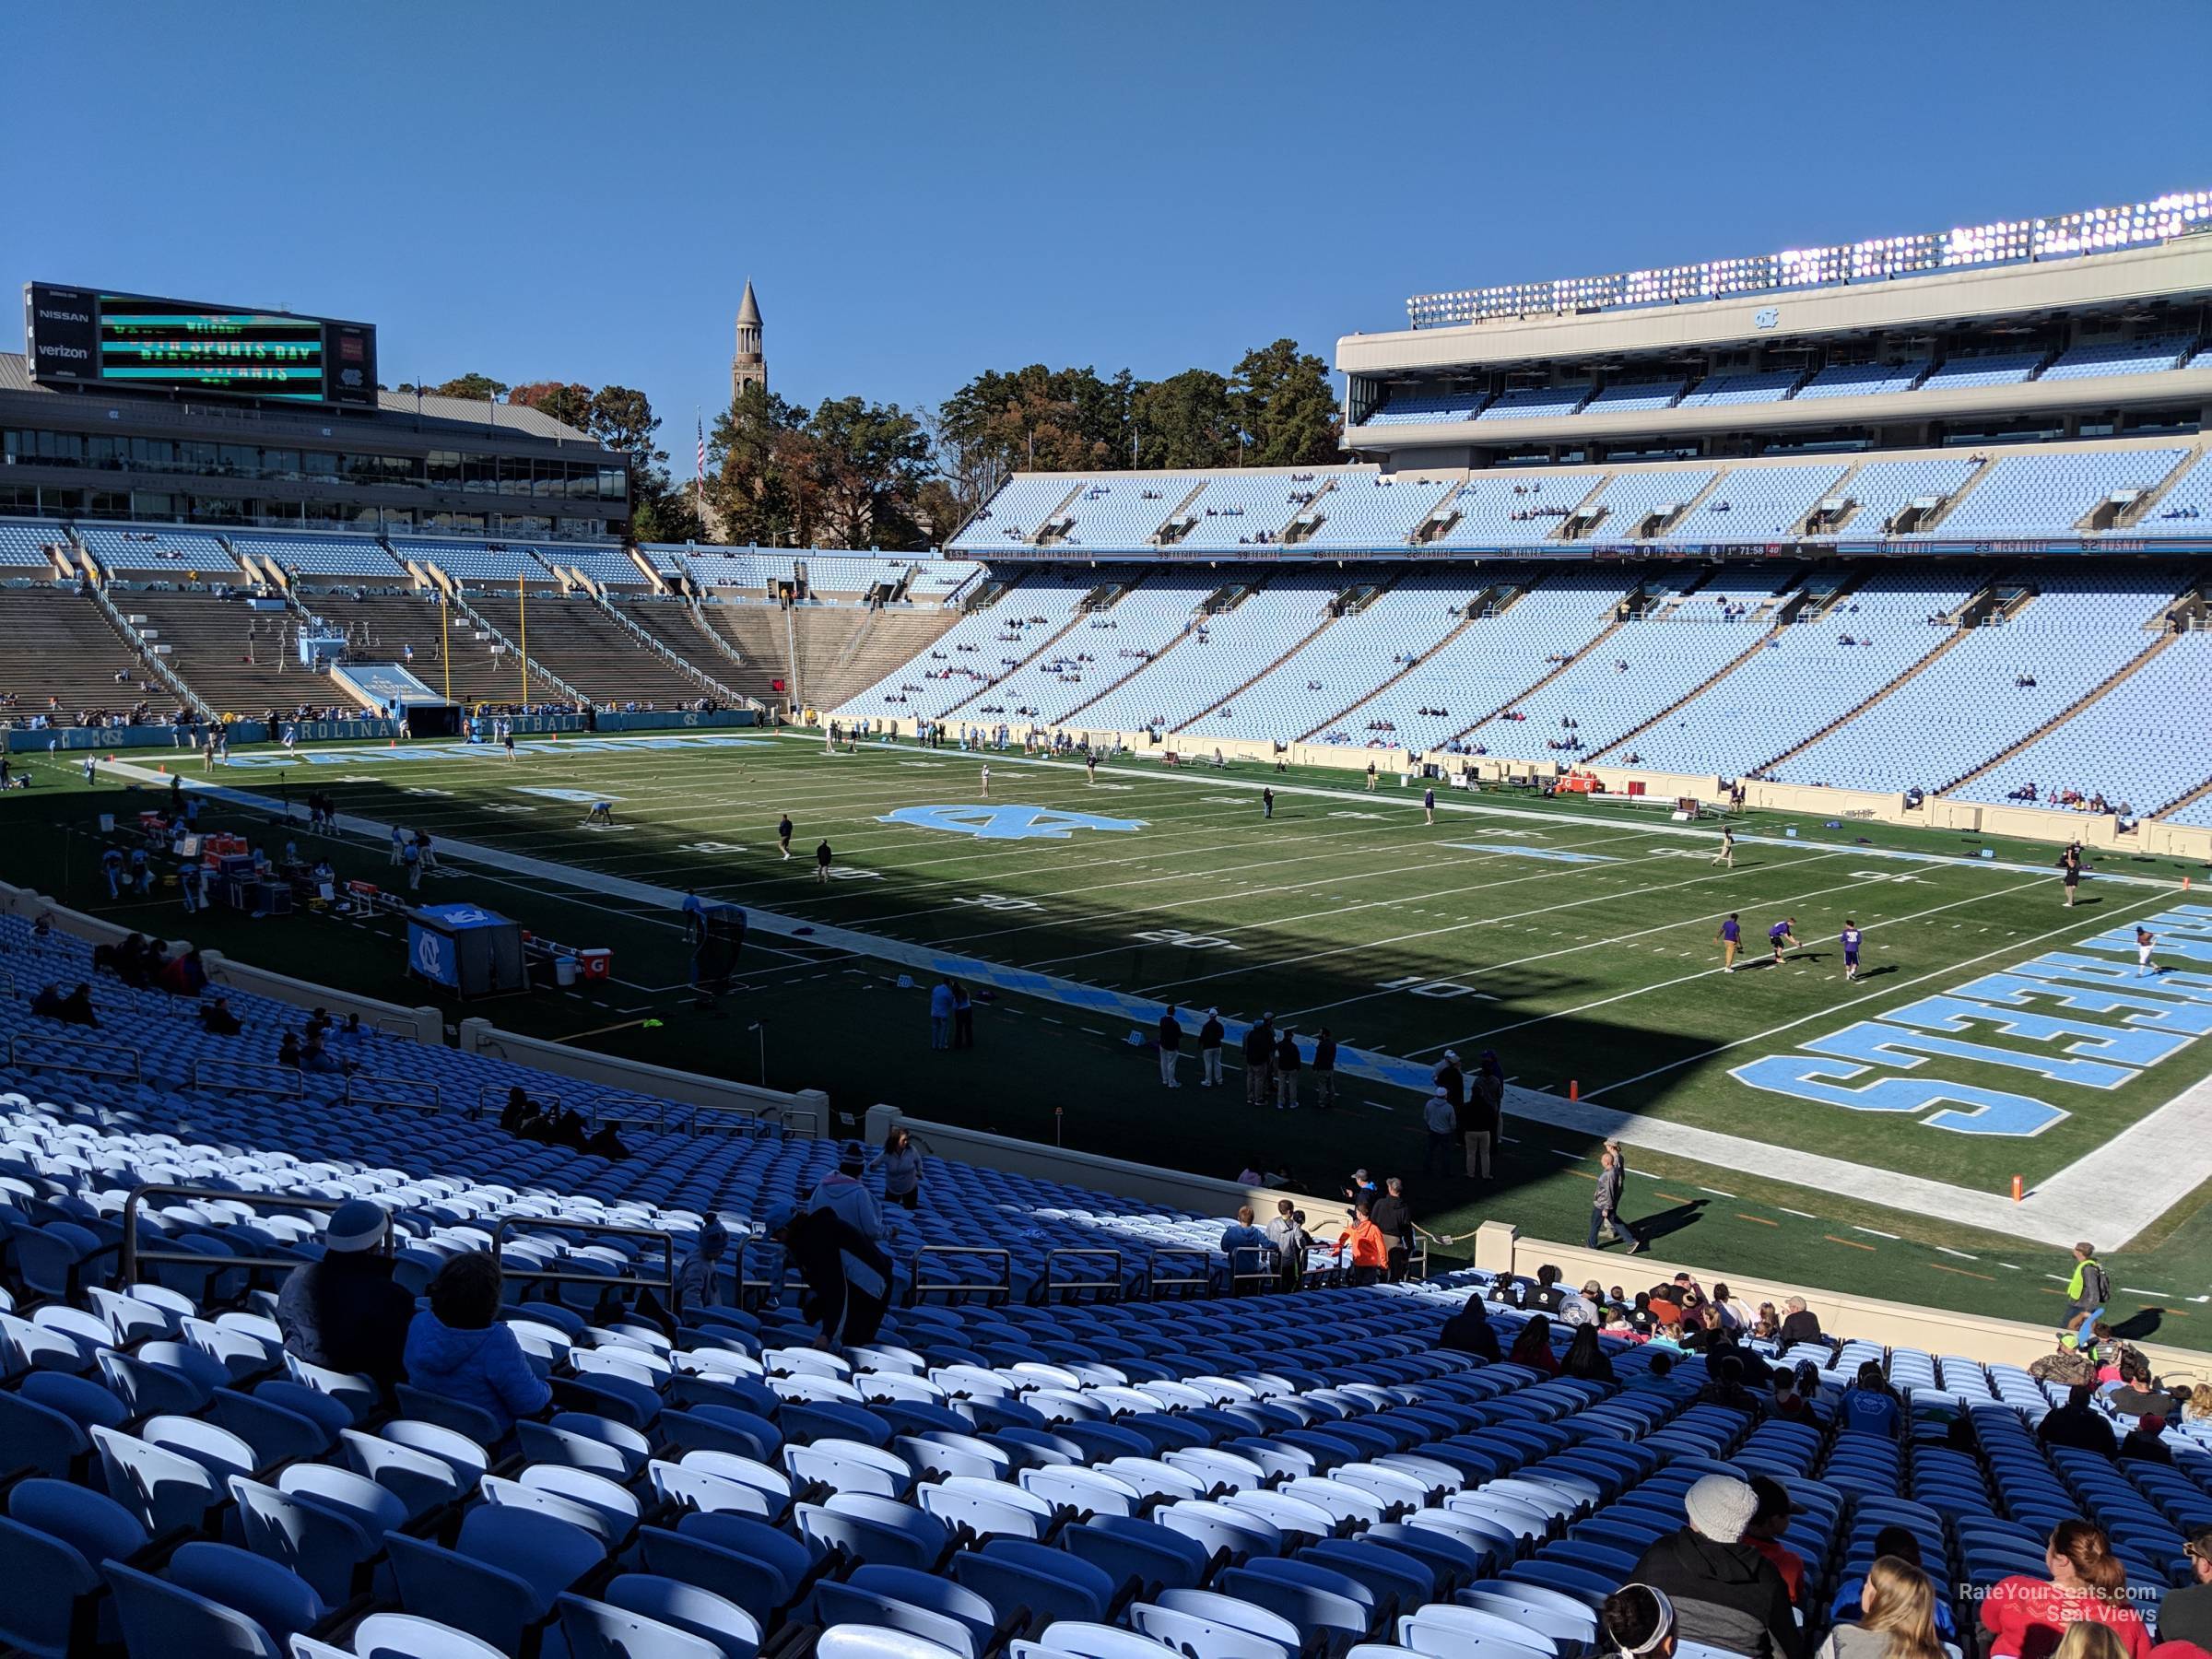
{"x":1006,"y":823}
{"x":430,"y":956}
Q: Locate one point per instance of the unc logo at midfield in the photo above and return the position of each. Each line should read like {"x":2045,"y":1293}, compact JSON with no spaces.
{"x":1006,"y":823}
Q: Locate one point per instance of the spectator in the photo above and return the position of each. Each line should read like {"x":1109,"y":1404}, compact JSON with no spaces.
{"x":1363,"y":1243}
{"x":1443,"y":1125}
{"x":1324,"y":1071}
{"x":1210,"y":1050}
{"x":2186,"y":1615}
{"x":1394,"y":1217}
{"x":940,"y":1015}
{"x":1896,"y":1609}
{"x":1605,"y":1204}
{"x":900,"y":1161}
{"x":1585,"y":1358}
{"x":1259,"y":1063}
{"x":1286,"y":1073}
{"x":2146,"y":1440}
{"x":1251,"y":1256}
{"x":2077,"y":1424}
{"x":1727,"y":1391}
{"x":2026,"y":1616}
{"x":2199,"y":1408}
{"x":695,"y":1286}
{"x":1725,"y":1593}
{"x":1736,"y":1314}
{"x":344,"y":1313}
{"x":1788,"y":1406}
{"x":1288,"y":1235}
{"x":845,"y":1194}
{"x":457,"y":1347}
{"x":216,"y":1020}
{"x":1900,"y":1544}
{"x":1770,"y":1520}
{"x":847,"y":1277}
{"x":963,"y":1016}
{"x":1532,"y":1347}
{"x":520,"y":1109}
{"x":1798,"y":1323}
{"x":1469,"y":1331}
{"x":1640,"y":1622}
{"x":1170,"y":1047}
{"x":1869,"y":1406}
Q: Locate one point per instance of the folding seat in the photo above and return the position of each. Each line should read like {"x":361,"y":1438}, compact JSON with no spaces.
{"x":624,"y":1398}
{"x":162,"y":1489}
{"x":422,"y":1406}
{"x":1195,"y":1633}
{"x":1224,"y":1533}
{"x":978,"y":1508}
{"x":615,"y":1503}
{"x":405,"y":1636}
{"x":1398,"y":1491}
{"x":273,"y":1596}
{"x":61,"y":1259}
{"x":162,"y":1620}
{"x":733,"y":1632}
{"x":873,"y":1641}
{"x":1387,"y":1573}
{"x":845,"y":1465}
{"x":1321,"y":1606}
{"x":1218,"y":1470}
{"x":722,"y":1429}
{"x":755,"y":1586}
{"x":833,"y":1420}
{"x":25,"y":1346}
{"x":302,"y":1401}
{"x":358,"y":1395}
{"x":1445,"y":1629}
{"x":855,"y":1605}
{"x":593,"y":1629}
{"x":876,"y":1529}
{"x":1126,"y":1547}
{"x":1051,"y":1584}
{"x":1564,"y":1618}
{"x":216,"y":1449}
{"x":60,"y":1619}
{"x":1070,"y":1639}
{"x":243,"y":1357}
{"x":37,"y":1436}
{"x":418,"y":1480}
{"x":937,"y":1452}
{"x":502,"y":1575}
{"x":274,"y":1434}
{"x":1351,"y":1505}
{"x":328,"y":1548}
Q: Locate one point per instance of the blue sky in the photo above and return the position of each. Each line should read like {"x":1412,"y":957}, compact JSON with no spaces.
{"x":569,"y":191}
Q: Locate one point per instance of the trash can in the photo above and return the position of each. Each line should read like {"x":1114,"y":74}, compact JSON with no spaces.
{"x":564,"y":971}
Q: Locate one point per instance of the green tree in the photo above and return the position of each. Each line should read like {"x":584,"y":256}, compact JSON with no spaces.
{"x":477,"y":388}
{"x":1286,"y":407}
{"x":563,"y":401}
{"x":1186,"y":420}
{"x":1035,"y":420}
{"x":760,"y":482}
{"x":871,"y":461}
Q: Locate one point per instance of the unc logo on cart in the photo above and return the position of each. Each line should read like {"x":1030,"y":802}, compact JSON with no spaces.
{"x":1008,"y":823}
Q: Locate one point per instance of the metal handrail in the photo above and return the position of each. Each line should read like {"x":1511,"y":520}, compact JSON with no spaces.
{"x":760,"y":1119}
{"x":767,"y":1287}
{"x":1264,"y":1275}
{"x":295,"y":1088}
{"x":355,"y":1080}
{"x":16,"y":1057}
{"x":1115,"y":1284}
{"x":1203,"y":1280}
{"x":995,"y":1295}
{"x":605,"y":1280}
{"x":649,"y":1111}
{"x":133,"y":1255}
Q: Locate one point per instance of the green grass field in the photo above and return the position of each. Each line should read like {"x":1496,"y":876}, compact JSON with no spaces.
{"x":1574,"y":937}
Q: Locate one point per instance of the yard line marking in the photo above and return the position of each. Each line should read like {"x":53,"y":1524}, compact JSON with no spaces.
{"x":1716,"y":1192}
{"x":1961,"y":1254}
{"x":1876,"y":1231}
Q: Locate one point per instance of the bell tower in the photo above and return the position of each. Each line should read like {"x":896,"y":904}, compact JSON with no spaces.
{"x":749,"y":367}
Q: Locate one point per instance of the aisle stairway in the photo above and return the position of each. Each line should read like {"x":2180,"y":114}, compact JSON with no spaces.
{"x":233,"y":657}
{"x":55,"y":642}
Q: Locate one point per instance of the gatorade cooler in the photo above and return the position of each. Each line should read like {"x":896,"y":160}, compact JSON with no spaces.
{"x":596,"y":964}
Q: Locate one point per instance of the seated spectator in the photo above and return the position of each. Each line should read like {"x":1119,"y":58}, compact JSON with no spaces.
{"x":315,"y":1057}
{"x":344,"y":1313}
{"x":1798,"y":1323}
{"x":695,"y":1284}
{"x":2078,"y":1423}
{"x":288,"y":1051}
{"x":1787,"y":1405}
{"x":1640,"y":1622}
{"x":456,"y":1348}
{"x":1869,"y":1406}
{"x":2199,"y":1408}
{"x":1769,"y":1521}
{"x":1897,"y":1544}
{"x":2146,"y":1442}
{"x":1469,"y":1332}
{"x":1725,"y":1595}
{"x":1585,"y":1358}
{"x":183,"y":975}
{"x":73,"y":1009}
{"x":216,"y":1020}
{"x":1726,"y":1389}
{"x":2185,"y":1615}
{"x":519,"y":1110}
{"x":1532,"y":1347}
{"x":2026,"y":1617}
{"x":1896,"y":1609}
{"x":604,"y":1143}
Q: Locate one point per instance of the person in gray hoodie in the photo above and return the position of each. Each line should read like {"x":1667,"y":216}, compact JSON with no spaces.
{"x":1725,"y":1595}
{"x":457,"y":1347}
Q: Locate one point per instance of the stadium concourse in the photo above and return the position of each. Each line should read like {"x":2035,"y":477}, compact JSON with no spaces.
{"x":1008,"y":1449}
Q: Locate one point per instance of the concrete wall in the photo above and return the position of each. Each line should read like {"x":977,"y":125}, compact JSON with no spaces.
{"x":805,"y":1112}
{"x":1499,"y":1248}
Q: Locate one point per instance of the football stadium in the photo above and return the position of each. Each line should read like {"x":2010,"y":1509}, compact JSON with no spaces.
{"x":568,"y":1092}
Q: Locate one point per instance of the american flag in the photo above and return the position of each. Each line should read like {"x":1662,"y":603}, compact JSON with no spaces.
{"x":701,"y":466}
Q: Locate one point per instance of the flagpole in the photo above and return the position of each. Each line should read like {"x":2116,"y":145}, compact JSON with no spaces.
{"x":445,"y":647}
{"x":523,"y":619}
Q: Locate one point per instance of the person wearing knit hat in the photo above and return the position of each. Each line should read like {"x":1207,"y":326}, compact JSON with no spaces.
{"x":1210,"y":1050}
{"x":695,"y":1286}
{"x":1724,"y":1594}
{"x":344,"y":1313}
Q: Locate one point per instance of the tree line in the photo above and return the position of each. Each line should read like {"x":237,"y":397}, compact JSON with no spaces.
{"x":851,"y":473}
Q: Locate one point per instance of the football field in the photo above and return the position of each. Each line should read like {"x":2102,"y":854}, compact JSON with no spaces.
{"x":1839,"y":1123}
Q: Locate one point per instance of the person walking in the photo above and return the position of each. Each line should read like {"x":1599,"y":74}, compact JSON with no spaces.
{"x":1850,"y":939}
{"x":1394,"y":1217}
{"x":1370,"y":777}
{"x":1605,"y":1205}
{"x":1090,"y":768}
{"x":411,"y":859}
{"x":1726,"y":857}
{"x":2088,"y":1292}
{"x":399,"y":840}
{"x":900,"y":1161}
{"x":784,"y":834}
{"x":940,"y":1015}
{"x":2146,"y":942}
{"x":1170,"y":1047}
{"x":1210,"y":1050}
{"x":1428,"y":804}
{"x":1730,"y":939}
{"x":821,"y":861}
{"x":1267,"y":801}
{"x":1324,"y":1071}
{"x":1478,"y":1115}
{"x":2069,"y":872}
{"x":1286,"y":1073}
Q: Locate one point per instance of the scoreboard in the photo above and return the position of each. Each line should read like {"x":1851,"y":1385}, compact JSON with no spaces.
{"x":85,"y":337}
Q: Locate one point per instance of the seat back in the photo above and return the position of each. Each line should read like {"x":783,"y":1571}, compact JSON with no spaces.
{"x":161,"y":1620}
{"x":597,"y":1630}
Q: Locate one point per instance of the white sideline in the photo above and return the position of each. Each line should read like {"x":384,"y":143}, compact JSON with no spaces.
{"x":2125,"y":1185}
